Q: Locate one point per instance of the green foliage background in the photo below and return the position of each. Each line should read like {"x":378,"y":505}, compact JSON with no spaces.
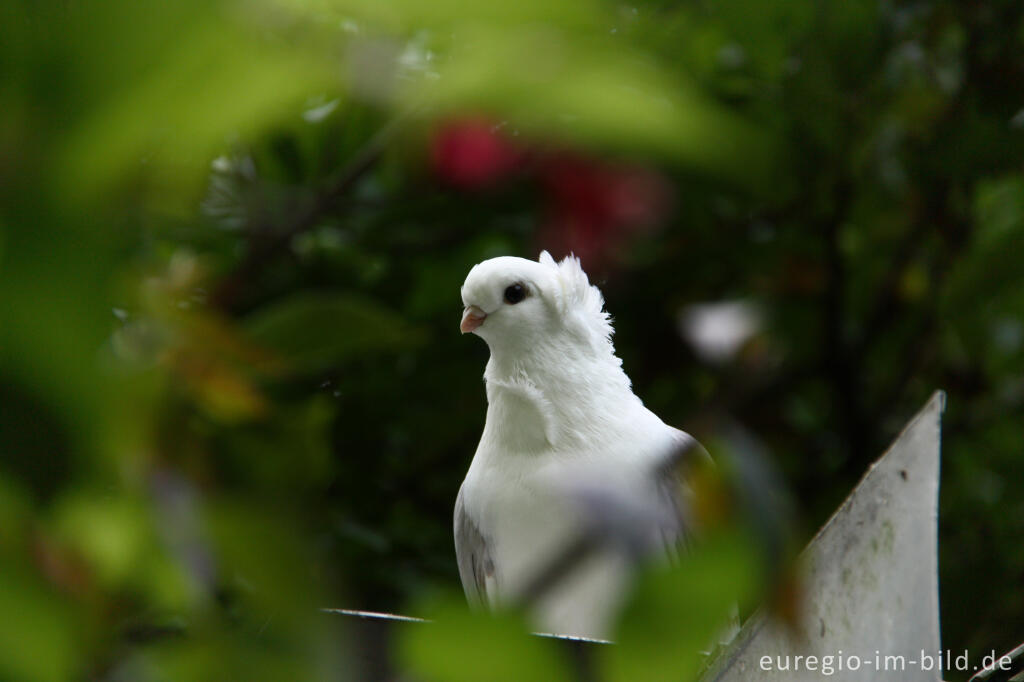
{"x":232,"y":388}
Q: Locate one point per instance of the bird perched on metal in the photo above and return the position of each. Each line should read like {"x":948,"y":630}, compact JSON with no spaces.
{"x":568,"y":454}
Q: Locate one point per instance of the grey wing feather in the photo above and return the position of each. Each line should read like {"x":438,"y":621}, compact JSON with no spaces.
{"x":676,"y":495}
{"x":473,"y":556}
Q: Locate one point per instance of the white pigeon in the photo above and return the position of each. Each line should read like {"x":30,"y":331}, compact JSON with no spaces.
{"x":563,"y":428}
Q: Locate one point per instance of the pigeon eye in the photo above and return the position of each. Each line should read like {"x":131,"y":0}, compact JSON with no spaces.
{"x":515,"y":293}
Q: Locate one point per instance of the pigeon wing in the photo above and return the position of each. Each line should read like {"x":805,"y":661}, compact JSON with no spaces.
{"x":676,"y":494}
{"x":476,"y":567}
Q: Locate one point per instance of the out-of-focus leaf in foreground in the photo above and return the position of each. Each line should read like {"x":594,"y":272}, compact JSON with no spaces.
{"x":676,"y":614}
{"x":461,"y":646}
{"x":210,"y":73}
{"x":593,"y":91}
{"x":38,"y":642}
{"x":564,"y":71}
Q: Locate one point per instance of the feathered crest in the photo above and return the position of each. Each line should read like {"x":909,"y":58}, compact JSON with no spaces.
{"x":579,"y":295}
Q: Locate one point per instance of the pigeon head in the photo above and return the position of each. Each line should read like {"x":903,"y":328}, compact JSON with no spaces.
{"x":516,"y":303}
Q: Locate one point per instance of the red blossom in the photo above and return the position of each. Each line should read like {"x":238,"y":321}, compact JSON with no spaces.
{"x":472,"y":153}
{"x":593,"y":206}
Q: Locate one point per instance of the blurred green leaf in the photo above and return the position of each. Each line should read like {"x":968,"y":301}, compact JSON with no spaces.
{"x":464,"y":646}
{"x":676,"y":614}
{"x":590,"y":91}
{"x":300,"y":432}
{"x":119,"y":539}
{"x":113,"y":533}
{"x":215,"y":81}
{"x":37,"y":633}
{"x":315,"y":331}
{"x":999,"y":209}
{"x":15,"y":508}
{"x":412,"y":15}
{"x":212,"y":654}
{"x":266,"y":561}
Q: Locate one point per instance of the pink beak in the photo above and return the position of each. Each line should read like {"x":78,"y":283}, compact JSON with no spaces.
{"x":472,"y":318}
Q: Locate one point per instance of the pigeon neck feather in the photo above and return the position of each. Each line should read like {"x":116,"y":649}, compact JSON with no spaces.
{"x":557,"y":394}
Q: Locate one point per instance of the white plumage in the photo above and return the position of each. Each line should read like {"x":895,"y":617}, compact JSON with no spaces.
{"x":562,"y":422}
